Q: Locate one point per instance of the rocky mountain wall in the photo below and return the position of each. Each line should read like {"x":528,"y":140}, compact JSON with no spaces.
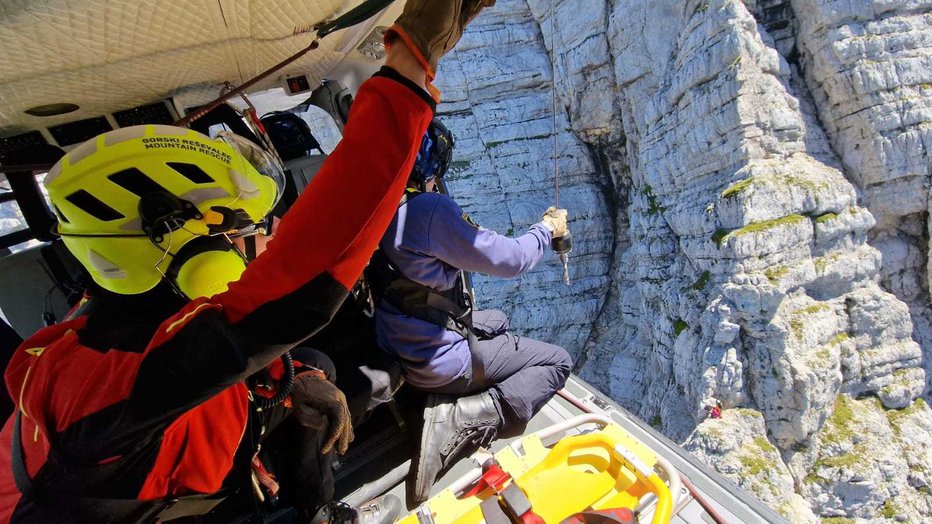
{"x":748,"y":185}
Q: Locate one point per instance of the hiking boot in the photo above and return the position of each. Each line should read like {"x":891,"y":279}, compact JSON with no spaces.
{"x":453,"y":428}
{"x":384,"y":510}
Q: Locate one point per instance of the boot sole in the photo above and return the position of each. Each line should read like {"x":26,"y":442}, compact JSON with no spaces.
{"x":424,"y":483}
{"x":422,"y":492}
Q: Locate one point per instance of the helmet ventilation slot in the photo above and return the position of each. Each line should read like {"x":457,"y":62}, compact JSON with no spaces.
{"x":192,"y":172}
{"x":93,"y":206}
{"x":136,"y":182}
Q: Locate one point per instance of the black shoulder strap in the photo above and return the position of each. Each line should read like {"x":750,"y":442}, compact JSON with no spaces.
{"x":20,"y":475}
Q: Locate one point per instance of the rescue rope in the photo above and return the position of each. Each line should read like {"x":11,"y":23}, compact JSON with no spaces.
{"x":553,"y":112}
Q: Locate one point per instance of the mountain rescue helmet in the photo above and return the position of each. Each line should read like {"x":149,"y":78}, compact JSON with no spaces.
{"x":129,"y":200}
{"x":435,"y":153}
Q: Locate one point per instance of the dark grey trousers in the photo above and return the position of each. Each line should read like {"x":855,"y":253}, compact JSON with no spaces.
{"x":521,"y":374}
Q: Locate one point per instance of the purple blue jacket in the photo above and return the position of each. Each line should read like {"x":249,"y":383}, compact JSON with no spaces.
{"x":429,"y":240}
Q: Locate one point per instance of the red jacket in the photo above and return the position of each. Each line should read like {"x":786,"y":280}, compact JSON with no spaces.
{"x":138,"y":414}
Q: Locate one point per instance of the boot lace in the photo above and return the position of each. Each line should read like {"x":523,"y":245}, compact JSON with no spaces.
{"x":469,"y":440}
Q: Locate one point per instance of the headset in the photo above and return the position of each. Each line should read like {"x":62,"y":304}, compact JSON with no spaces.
{"x":206,"y":264}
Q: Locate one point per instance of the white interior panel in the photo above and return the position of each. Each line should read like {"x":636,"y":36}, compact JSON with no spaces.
{"x":106,"y":56}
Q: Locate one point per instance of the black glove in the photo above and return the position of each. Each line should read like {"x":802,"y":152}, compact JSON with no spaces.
{"x":319,"y":404}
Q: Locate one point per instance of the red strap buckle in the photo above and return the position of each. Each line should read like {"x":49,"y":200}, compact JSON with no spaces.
{"x":493,"y":476}
{"x":512,"y":502}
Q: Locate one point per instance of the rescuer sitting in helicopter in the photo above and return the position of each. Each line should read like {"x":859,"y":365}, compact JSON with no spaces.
{"x":424,"y":316}
{"x":138,"y":407}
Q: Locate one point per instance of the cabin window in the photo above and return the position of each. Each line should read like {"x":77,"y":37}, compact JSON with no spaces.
{"x":14,"y":233}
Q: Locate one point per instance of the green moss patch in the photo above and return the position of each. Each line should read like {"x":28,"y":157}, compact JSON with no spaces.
{"x":814,"y":308}
{"x":805,"y":183}
{"x":753,"y":464}
{"x":821,"y":263}
{"x":812,"y":478}
{"x":888,"y":510}
{"x":841,"y":461}
{"x":838,"y":428}
{"x":757,"y":227}
{"x":700,"y":284}
{"x":679,"y":326}
{"x":896,"y":416}
{"x":719,"y":236}
{"x":775,"y":273}
{"x":822,"y":358}
{"x":798,"y":327}
{"x":764,"y":444}
{"x":821,"y":219}
{"x":653,"y":207}
{"x":735,"y":189}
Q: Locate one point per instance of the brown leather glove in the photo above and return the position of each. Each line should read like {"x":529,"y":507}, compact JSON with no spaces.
{"x":319,"y":404}
{"x":430,"y":28}
{"x":555,"y":220}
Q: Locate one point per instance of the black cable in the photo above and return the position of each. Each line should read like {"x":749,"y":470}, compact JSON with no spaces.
{"x":285,"y":385}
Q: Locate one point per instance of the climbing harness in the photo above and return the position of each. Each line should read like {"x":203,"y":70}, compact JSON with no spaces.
{"x":561,"y":245}
{"x":451,"y":309}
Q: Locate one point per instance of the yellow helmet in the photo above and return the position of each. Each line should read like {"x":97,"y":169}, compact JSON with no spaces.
{"x":129,"y":200}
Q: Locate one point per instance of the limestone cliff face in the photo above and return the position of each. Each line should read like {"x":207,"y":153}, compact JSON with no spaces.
{"x":748,"y":184}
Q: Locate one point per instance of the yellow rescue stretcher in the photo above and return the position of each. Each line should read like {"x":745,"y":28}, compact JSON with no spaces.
{"x":604,"y":470}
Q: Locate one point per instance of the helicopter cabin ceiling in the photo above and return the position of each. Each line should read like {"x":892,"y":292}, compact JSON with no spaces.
{"x":110,"y":55}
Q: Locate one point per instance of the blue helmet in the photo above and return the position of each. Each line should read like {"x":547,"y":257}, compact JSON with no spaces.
{"x":435,"y":153}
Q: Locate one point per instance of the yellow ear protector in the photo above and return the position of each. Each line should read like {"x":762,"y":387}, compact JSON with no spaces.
{"x":205,"y":265}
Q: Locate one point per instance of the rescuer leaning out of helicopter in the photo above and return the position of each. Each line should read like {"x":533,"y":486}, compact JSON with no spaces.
{"x":424,"y":316}
{"x":138,"y":405}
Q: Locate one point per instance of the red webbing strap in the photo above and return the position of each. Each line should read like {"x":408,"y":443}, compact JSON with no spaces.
{"x":493,"y":477}
{"x":510,"y":505}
